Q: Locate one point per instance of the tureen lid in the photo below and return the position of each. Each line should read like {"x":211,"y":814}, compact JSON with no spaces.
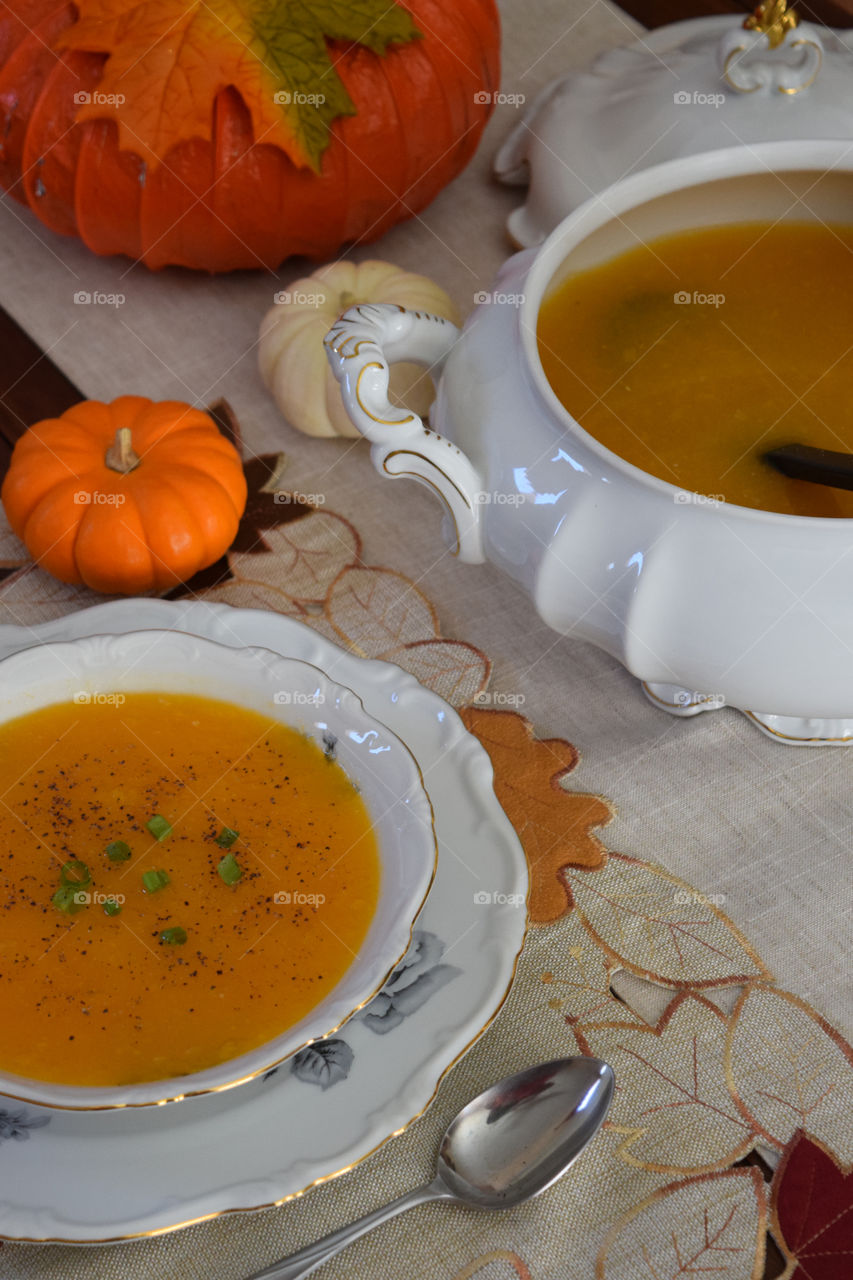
{"x":688,"y":87}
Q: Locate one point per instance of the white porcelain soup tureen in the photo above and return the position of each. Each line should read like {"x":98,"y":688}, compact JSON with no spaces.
{"x":687,"y":87}
{"x":705,"y":602}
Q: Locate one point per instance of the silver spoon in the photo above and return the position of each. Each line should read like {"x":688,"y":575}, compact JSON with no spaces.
{"x":506,"y":1146}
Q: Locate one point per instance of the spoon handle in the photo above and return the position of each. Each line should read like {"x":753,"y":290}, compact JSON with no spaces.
{"x":313,"y":1255}
{"x":821,"y":466}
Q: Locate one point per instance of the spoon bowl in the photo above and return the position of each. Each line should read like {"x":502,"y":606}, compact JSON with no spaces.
{"x":509,"y":1144}
{"x":517,"y":1138}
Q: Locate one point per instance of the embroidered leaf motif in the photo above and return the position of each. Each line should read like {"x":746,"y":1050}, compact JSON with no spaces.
{"x":376,"y":610}
{"x":324,"y":1063}
{"x":454,"y":670}
{"x":13,"y":553}
{"x":305,"y":555}
{"x":577,"y":986}
{"x":658,"y":927}
{"x":255,"y":595}
{"x":30,"y":595}
{"x":812,"y":1202}
{"x":671,"y":1105}
{"x":710,"y":1226}
{"x":168,"y":59}
{"x":790,"y":1070}
{"x":516,"y":1268}
{"x":552,"y":823}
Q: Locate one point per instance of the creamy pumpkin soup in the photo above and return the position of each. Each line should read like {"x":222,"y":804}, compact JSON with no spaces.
{"x":181,"y":881}
{"x":693,"y":355}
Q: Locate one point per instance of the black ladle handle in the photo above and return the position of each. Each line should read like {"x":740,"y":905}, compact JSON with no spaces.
{"x":820,"y":466}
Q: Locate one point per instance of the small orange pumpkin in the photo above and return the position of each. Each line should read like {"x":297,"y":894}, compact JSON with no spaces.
{"x":125,"y":497}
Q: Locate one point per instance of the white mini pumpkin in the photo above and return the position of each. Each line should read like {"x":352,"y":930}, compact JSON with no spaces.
{"x":292,"y":357}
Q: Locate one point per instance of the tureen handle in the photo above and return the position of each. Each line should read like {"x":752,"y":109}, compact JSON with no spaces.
{"x":756,"y":61}
{"x":360,"y":346}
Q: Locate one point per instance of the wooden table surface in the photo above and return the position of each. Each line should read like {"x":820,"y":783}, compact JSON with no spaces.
{"x":31,"y":387}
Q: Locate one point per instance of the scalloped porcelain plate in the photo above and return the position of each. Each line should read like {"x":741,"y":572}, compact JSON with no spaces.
{"x":114,"y":1175}
{"x":283,"y":690}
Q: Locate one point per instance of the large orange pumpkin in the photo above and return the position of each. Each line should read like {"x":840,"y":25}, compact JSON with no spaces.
{"x":410,"y":111}
{"x":135,"y":495}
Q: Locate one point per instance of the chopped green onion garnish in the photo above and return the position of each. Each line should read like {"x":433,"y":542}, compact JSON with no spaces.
{"x":175,"y":937}
{"x":229,"y":869}
{"x":159,"y":827}
{"x":154,"y":880}
{"x":226,"y":837}
{"x":118,"y":851}
{"x":74,"y":873}
{"x":111,"y":907}
{"x":66,"y":899}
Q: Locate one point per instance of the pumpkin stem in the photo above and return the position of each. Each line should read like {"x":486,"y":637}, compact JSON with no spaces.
{"x":120,"y":455}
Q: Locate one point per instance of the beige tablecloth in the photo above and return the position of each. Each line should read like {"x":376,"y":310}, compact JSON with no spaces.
{"x":762,"y":826}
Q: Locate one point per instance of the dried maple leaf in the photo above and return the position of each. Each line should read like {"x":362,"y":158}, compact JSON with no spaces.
{"x":553,"y":824}
{"x":262,"y":511}
{"x":227,"y":422}
{"x":812,"y":1212}
{"x":265,"y":508}
{"x":168,"y":59}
